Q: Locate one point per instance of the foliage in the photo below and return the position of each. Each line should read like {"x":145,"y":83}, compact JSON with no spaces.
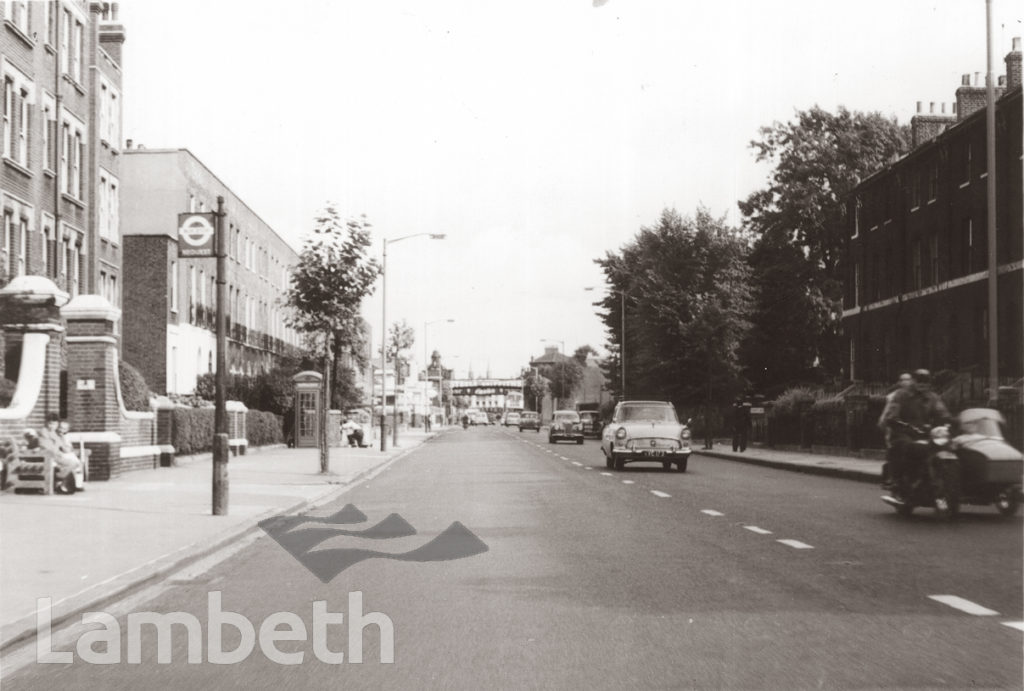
{"x":263,"y":428}
{"x":7,"y":388}
{"x":192,"y":430}
{"x":798,"y":221}
{"x":333,"y":275}
{"x":534,"y":388}
{"x":401,"y":338}
{"x":134,"y":391}
{"x":790,"y":402}
{"x":563,"y":378}
{"x":270,"y":391}
{"x":581,"y":354}
{"x":686,"y":283}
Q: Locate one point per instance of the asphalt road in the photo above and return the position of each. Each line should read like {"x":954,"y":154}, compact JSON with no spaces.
{"x":727,"y":576}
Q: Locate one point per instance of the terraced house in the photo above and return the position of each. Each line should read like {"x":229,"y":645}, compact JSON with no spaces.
{"x":170,"y":304}
{"x":917,"y":246}
{"x":60,"y":174}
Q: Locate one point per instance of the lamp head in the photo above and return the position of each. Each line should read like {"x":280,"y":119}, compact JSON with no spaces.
{"x":437,"y":236}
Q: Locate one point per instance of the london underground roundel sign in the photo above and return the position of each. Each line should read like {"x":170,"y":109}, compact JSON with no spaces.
{"x":196,"y":235}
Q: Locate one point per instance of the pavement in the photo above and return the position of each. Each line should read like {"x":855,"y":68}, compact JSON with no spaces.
{"x":99,"y":545}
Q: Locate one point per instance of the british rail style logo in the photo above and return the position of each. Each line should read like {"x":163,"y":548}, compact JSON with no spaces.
{"x":301,"y":535}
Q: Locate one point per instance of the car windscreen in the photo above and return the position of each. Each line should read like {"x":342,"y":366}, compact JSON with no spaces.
{"x":659,"y":413}
{"x":567,"y":417}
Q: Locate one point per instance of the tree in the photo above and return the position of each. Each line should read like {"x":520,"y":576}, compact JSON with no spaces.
{"x":688,"y":304}
{"x":581,"y":354}
{"x":534,"y":388}
{"x":333,"y":275}
{"x":563,"y":377}
{"x":798,"y":221}
{"x":401,"y":338}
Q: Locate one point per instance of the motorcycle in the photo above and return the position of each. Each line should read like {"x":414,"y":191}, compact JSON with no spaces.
{"x":976,"y":467}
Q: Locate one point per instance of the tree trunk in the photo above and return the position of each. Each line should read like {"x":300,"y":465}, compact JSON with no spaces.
{"x":325,"y":450}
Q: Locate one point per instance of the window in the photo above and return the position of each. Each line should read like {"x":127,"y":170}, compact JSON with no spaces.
{"x":8,"y":246}
{"x":65,"y":34}
{"x":76,"y":53}
{"x":916,"y":267}
{"x":48,"y":118}
{"x":965,"y":174}
{"x":17,"y":13}
{"x":8,"y":121}
{"x":22,"y":246}
{"x":191,"y":203}
{"x":73,"y":258}
{"x":72,"y":156}
{"x":173,"y":279}
{"x":915,"y":191}
{"x":49,"y":21}
{"x":24,"y":121}
{"x":933,"y":182}
{"x":856,"y":283}
{"x":933,"y":253}
{"x":108,"y":206}
{"x":192,"y":293}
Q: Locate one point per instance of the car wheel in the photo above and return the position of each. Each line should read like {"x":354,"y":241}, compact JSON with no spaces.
{"x":666,"y":465}
{"x":682,"y":465}
{"x":1007,"y":503}
{"x":620,"y":463}
{"x":550,"y":440}
{"x":579,"y":441}
{"x":608,"y":462}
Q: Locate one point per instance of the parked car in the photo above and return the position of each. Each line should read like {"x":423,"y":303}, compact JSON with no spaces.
{"x":646,"y":431}
{"x":565,"y":425}
{"x":529,"y":420}
{"x":591,"y":420}
{"x":512,"y":419}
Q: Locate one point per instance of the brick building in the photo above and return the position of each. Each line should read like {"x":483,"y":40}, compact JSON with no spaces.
{"x":170,"y":303}
{"x":917,"y":259}
{"x":60,"y":63}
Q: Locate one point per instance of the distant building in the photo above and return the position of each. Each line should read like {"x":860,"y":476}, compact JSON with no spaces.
{"x":591,"y":388}
{"x":170,"y":303}
{"x":60,"y":171}
{"x":916,"y":292}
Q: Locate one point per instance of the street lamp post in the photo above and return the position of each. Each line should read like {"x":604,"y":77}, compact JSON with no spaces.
{"x":440,"y":396}
{"x":384,"y":342}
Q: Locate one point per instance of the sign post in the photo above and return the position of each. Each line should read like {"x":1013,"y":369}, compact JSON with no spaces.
{"x":220,"y":426}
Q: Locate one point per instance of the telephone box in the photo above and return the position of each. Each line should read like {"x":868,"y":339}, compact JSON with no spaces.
{"x":308,"y":399}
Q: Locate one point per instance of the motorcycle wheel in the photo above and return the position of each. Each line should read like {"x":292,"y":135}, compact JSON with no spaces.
{"x":1007,"y":504}
{"x":947,"y":494}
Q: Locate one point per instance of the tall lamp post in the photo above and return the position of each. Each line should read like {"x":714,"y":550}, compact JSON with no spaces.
{"x":622,"y":340}
{"x":384,"y":341}
{"x":426,"y":356}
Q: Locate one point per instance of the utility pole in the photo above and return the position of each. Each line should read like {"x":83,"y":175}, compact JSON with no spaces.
{"x":220,"y":425}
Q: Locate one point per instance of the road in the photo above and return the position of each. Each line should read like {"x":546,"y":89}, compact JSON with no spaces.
{"x":727,"y":576}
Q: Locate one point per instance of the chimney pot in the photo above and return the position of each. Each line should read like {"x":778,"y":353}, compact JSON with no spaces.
{"x":977,"y":78}
{"x":1002,"y":80}
{"x":943,"y":108}
{"x":965,"y":80}
{"x":128,"y":144}
{"x":1016,"y":42}
{"x":920,"y":107}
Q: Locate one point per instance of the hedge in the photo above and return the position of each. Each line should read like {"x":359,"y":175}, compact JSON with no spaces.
{"x":262,"y":428}
{"x":134,"y":390}
{"x":192,"y":429}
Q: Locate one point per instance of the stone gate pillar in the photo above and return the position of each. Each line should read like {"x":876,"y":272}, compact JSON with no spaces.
{"x":30,"y":319}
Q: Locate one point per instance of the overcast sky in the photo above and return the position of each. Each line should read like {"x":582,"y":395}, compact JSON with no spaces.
{"x":537,"y":134}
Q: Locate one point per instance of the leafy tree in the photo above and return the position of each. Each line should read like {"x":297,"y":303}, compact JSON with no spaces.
{"x":534,"y":388}
{"x":333,"y":275}
{"x":688,"y":303}
{"x":563,"y":378}
{"x":581,"y":354}
{"x":401,"y":338}
{"x":798,"y":221}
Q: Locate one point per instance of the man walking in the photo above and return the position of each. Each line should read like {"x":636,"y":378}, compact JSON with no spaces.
{"x":740,"y":424}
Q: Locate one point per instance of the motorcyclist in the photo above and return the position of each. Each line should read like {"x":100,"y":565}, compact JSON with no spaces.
{"x":905,"y":381}
{"x":912,"y":411}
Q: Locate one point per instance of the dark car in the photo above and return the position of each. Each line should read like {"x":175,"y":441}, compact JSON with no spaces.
{"x":529,"y":420}
{"x":591,"y":421}
{"x":565,"y":426}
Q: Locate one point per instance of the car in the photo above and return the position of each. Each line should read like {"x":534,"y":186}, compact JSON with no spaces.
{"x":565,"y":425}
{"x":591,"y":420}
{"x":512,"y":419}
{"x":646,"y":431}
{"x":529,"y":420}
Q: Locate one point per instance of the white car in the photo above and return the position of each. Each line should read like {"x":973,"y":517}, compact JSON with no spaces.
{"x":511,"y":419}
{"x":646,"y":431}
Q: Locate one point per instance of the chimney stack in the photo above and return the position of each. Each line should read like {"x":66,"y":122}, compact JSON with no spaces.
{"x":1013,"y":65}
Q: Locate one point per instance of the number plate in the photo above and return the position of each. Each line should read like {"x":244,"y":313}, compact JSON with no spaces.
{"x":654,"y":452}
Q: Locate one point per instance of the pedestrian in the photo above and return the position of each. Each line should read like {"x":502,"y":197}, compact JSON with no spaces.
{"x":426,"y":423}
{"x":709,"y":427}
{"x":903,"y":383}
{"x":740,"y":424}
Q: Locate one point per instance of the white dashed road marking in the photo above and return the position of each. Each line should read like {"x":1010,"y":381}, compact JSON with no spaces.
{"x":964,"y":605}
{"x":577,"y":463}
{"x":660,"y":494}
{"x":627,"y":482}
{"x":712,"y":512}
{"x":587,"y":467}
{"x":796,"y":544}
{"x":759,"y":531}
{"x":607,"y":474}
{"x":1019,"y":625}
{"x":563,"y":458}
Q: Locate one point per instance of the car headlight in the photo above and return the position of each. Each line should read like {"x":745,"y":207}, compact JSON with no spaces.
{"x":620,"y":433}
{"x":685,"y":434}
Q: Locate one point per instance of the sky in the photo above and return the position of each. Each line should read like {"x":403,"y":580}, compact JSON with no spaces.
{"x":537,"y":135}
